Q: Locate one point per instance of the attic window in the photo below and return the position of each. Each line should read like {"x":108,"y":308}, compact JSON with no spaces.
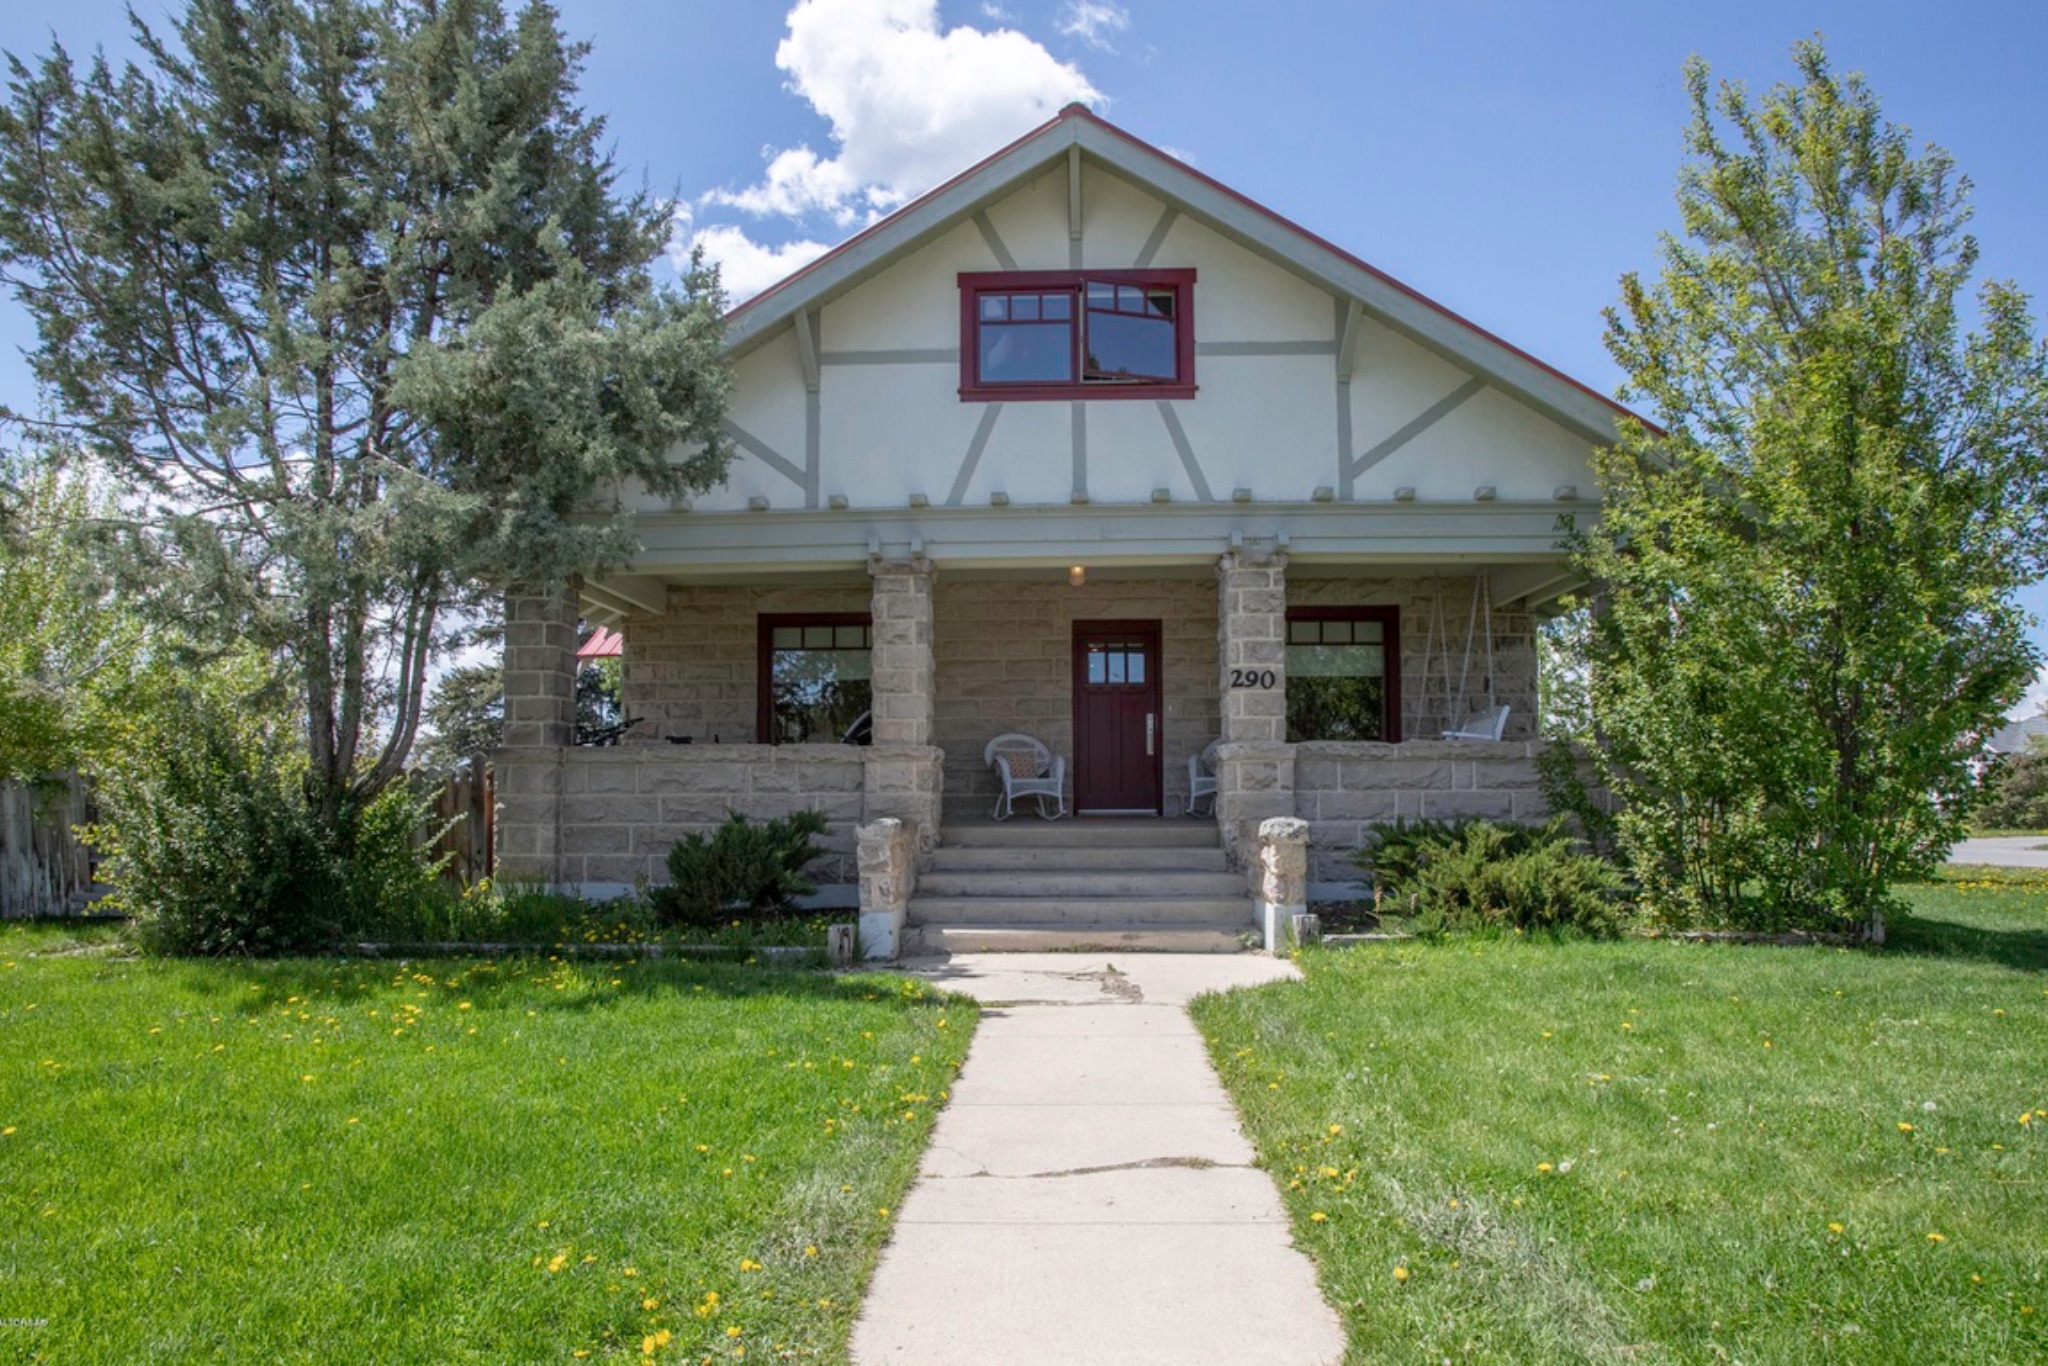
{"x":1062,"y":334}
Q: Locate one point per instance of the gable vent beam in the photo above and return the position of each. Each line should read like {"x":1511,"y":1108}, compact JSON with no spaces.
{"x":807,"y":348}
{"x":1347,"y":339}
{"x":1074,"y":193}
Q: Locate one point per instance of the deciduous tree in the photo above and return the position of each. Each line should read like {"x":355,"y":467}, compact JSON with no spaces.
{"x":1807,"y":621}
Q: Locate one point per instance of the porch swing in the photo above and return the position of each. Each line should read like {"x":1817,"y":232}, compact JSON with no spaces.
{"x":1461,"y":719}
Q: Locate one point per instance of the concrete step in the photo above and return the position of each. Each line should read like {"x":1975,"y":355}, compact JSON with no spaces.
{"x":1076,"y":912}
{"x":1054,"y":878}
{"x":1073,"y":833}
{"x":1024,"y":937}
{"x":991,"y":858}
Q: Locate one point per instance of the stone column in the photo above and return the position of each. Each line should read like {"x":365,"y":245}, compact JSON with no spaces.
{"x":902,"y":607}
{"x":886,"y":850}
{"x":904,"y":770}
{"x":540,"y":722}
{"x":1254,"y":764}
{"x":1280,"y":879}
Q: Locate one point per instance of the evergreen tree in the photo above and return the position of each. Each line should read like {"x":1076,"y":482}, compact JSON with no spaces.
{"x":1807,"y":622}
{"x":347,"y":292}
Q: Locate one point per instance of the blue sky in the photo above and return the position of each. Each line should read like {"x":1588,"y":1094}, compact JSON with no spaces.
{"x":1510,"y":160}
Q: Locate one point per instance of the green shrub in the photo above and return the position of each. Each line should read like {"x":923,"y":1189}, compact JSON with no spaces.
{"x":213,"y":848}
{"x":741,"y":868}
{"x":1454,"y":877}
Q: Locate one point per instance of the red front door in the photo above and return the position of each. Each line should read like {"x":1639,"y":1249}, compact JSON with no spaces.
{"x":1117,"y":716}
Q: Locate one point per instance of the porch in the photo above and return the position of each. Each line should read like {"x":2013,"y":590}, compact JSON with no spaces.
{"x":741,"y":691}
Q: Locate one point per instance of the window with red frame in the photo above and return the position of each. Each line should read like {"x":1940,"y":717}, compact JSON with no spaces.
{"x":1077,"y":334}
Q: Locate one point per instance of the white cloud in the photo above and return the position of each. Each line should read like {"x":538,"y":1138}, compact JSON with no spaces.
{"x":746,"y":267}
{"x":1094,"y":21}
{"x":991,"y":10}
{"x":908,"y":103}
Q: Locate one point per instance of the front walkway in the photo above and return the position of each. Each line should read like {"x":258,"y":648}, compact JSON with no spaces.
{"x":1088,"y":1195}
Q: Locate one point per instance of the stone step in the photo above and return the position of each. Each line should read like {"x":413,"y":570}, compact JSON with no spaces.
{"x":1028,"y":832}
{"x":1189,"y":911}
{"x":989,"y":858}
{"x":1055,"y":878}
{"x":1024,"y":937}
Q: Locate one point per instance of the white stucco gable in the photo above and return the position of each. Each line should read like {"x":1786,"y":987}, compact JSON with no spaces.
{"x":1347,"y":411}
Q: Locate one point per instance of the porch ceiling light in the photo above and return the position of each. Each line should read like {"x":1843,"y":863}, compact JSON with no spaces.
{"x":1077,"y":575}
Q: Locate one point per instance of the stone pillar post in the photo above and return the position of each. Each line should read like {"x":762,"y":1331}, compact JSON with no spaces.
{"x":886,"y":850}
{"x":540,"y":721}
{"x":1280,"y":879}
{"x":903,"y":691}
{"x":1254,"y":764}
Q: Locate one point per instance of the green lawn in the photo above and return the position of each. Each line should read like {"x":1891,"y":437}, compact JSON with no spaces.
{"x":1654,"y":1151}
{"x":521,"y":1160}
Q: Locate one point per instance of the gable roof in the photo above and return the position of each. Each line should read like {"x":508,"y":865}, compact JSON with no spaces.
{"x":1251,"y":225}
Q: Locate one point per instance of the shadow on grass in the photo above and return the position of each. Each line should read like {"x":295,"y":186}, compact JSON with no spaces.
{"x":2022,"y":948}
{"x":256,"y":985}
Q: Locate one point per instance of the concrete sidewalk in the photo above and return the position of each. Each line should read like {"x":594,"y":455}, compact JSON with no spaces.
{"x":2007,"y":851}
{"x":1088,"y":1195}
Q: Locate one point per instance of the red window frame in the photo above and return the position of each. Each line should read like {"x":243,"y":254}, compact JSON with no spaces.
{"x":764,"y":656}
{"x":974,"y":284}
{"x":1389,"y":619}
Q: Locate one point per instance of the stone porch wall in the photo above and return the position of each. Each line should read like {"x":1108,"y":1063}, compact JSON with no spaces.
{"x":1005,"y":662}
{"x":609,"y":816}
{"x":1340,"y":789}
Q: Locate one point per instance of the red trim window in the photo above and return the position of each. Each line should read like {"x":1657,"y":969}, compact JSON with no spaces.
{"x":1343,"y":673}
{"x":1066,"y":334}
{"x":814,"y":677}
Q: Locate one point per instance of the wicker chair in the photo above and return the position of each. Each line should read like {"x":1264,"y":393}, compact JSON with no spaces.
{"x":1202,"y":777}
{"x":1026,"y":768}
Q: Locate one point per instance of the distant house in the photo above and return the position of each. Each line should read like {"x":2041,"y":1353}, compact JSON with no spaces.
{"x":1085,"y":445}
{"x":2017,"y":737}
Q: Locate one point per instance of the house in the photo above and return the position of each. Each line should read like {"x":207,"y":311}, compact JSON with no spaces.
{"x":1085,"y":445}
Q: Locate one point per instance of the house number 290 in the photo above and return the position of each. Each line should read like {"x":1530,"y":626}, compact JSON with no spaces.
{"x":1254,"y":678}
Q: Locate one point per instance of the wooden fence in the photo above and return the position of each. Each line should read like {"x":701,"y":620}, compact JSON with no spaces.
{"x":45,"y":869}
{"x":464,"y":826}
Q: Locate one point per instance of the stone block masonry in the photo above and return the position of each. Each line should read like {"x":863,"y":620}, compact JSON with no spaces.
{"x":608,"y":817}
{"x":1004,"y":653}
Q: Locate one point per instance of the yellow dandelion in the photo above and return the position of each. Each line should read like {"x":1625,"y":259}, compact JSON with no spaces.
{"x":1544,"y":1167}
{"x":650,"y":1303}
{"x":811,"y":1251}
{"x":557,"y":1262}
{"x":1319,"y":1218}
{"x":1937,"y":1238}
{"x":1400,"y":1273}
{"x":1904,"y":1127}
{"x":749,"y":1264}
{"x":1834,"y":1228}
{"x":734,"y":1331}
{"x":1336,"y":1129}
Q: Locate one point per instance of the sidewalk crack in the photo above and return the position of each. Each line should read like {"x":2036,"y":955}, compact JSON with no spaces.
{"x":1146,"y":1164}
